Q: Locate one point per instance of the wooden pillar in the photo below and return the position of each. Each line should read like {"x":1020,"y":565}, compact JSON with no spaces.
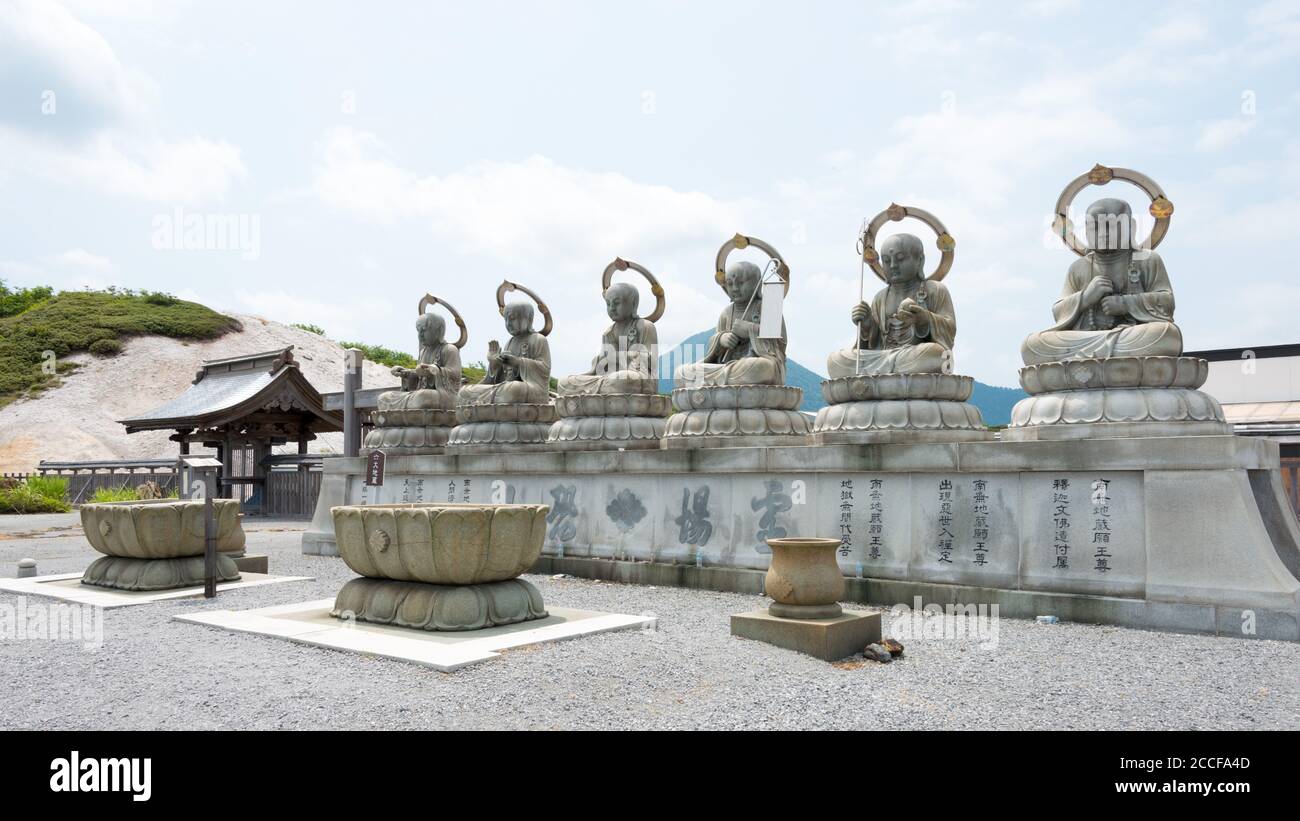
{"x":352,"y":359}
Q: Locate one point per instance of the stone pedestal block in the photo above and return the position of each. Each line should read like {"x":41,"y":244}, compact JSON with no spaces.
{"x":609,"y":422}
{"x":439,"y":607}
{"x":140,"y":575}
{"x":1121,"y":397}
{"x":897,"y":407}
{"x":826,"y":639}
{"x":501,"y":428}
{"x":736,"y":416}
{"x":411,"y":423}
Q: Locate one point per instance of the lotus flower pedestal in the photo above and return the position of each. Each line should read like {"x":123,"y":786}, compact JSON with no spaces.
{"x":1120,"y":397}
{"x":158,"y":545}
{"x":805,"y":584}
{"x":736,"y":416}
{"x":440,"y":567}
{"x":899,"y":407}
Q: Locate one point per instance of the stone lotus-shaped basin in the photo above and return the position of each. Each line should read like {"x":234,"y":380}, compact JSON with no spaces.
{"x":440,"y":543}
{"x":159,"y":528}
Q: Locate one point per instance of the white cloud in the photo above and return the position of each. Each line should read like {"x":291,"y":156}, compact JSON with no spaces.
{"x":1223,"y":133}
{"x":72,"y":112}
{"x":1180,"y":32}
{"x":81,"y":258}
{"x":44,"y":48}
{"x":529,"y":211}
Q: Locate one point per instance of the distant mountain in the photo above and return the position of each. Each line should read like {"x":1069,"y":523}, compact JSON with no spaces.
{"x":994,"y":403}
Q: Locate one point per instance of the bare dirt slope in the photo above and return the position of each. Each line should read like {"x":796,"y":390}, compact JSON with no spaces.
{"x":77,"y":421}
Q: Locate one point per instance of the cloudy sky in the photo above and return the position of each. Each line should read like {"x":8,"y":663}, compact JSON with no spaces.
{"x":377,"y":151}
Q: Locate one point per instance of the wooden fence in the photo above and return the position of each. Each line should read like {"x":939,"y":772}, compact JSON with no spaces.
{"x":291,"y":493}
{"x":289,"y":490}
{"x":84,"y":478}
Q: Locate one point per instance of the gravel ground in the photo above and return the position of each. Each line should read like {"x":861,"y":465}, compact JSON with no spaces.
{"x":152,"y":672}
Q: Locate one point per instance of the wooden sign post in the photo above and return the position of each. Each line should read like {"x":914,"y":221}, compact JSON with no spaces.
{"x":206,"y":485}
{"x":375,"y":468}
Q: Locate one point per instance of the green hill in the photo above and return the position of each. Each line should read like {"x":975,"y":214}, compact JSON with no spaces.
{"x":43,"y":330}
{"x":995,"y":403}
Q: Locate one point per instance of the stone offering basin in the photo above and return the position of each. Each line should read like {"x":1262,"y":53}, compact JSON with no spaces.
{"x":440,"y":543}
{"x":159,"y":528}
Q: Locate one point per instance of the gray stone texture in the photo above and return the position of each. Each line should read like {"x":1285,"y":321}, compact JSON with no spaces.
{"x":1195,"y":522}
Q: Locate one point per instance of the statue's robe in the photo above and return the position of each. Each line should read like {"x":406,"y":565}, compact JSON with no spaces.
{"x":527,"y":381}
{"x":889,"y":346}
{"x":428,"y":391}
{"x":626,"y":363}
{"x":754,"y":361}
{"x":1146,"y":329}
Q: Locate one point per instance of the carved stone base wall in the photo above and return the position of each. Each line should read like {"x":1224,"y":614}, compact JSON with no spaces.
{"x":1194,"y":522}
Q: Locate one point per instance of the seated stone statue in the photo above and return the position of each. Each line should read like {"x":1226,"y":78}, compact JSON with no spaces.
{"x":1117,"y":301}
{"x":434,"y":382}
{"x":626,"y":363}
{"x":736,"y":355}
{"x":909,"y":326}
{"x":521,"y":373}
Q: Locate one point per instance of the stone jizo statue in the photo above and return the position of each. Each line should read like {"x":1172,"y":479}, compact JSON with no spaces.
{"x":627,"y":362}
{"x":521,"y":373}
{"x":438,"y":370}
{"x":1116,"y":302}
{"x":908,"y":327}
{"x":736,"y":354}
{"x":417,"y":417}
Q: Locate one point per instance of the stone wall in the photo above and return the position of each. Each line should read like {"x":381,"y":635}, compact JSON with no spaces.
{"x":1173,"y":520}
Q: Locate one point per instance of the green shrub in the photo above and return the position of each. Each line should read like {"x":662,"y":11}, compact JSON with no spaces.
{"x":55,"y":487}
{"x":13,"y":302}
{"x":106,"y":347}
{"x":122,"y":493}
{"x":36,"y":495}
{"x":309,"y":328}
{"x":382,"y":355}
{"x":158,"y":298}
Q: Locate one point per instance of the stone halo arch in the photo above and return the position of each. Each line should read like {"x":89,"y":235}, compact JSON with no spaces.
{"x":620,"y":264}
{"x":742,"y":241}
{"x":507,"y":285}
{"x":1161,"y":208}
{"x":430,"y":299}
{"x":897,"y":213}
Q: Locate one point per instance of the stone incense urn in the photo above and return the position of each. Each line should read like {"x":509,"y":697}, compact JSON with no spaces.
{"x":158,"y":544}
{"x":803,"y":579}
{"x":439,"y":566}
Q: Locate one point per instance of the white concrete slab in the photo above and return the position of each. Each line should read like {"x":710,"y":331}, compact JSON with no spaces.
{"x":311,"y":623}
{"x":68,"y":587}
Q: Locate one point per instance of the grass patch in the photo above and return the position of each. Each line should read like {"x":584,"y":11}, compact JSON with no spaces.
{"x":34,"y":342}
{"x":114,"y":494}
{"x":127,"y":493}
{"x":37,"y":494}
